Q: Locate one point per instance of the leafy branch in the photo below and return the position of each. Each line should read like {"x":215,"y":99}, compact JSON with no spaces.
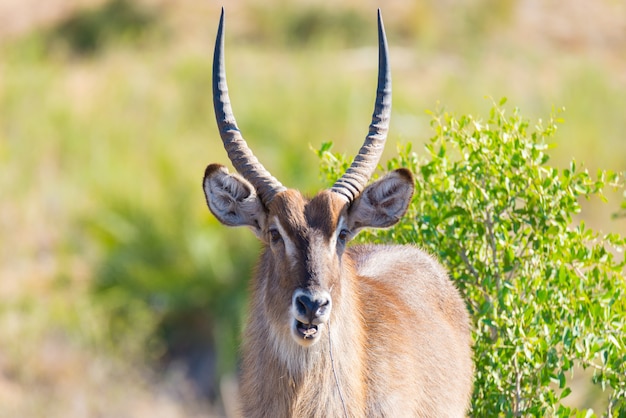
{"x":547,"y":294}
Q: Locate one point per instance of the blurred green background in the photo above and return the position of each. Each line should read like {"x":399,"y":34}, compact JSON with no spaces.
{"x":120,"y":295}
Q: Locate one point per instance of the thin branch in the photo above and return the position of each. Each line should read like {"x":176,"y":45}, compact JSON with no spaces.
{"x":491,"y":238}
{"x":469,"y":265}
{"x":332,"y":364}
{"x":479,"y":285}
{"x":517,"y":406}
{"x":518,"y":255}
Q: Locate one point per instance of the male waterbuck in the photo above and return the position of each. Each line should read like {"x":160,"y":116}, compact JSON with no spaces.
{"x":336,"y":330}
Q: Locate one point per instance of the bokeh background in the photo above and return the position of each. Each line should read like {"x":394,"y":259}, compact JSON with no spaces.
{"x":120,"y":295}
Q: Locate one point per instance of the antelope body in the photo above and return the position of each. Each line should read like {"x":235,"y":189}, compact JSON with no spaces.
{"x":334,"y":330}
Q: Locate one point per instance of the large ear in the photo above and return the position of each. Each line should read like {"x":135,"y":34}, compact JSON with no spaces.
{"x":233,"y":200}
{"x":383,"y":202}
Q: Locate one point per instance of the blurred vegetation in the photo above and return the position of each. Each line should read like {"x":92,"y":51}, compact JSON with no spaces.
{"x":87,"y":32}
{"x":295,"y":26}
{"x":107,"y":251}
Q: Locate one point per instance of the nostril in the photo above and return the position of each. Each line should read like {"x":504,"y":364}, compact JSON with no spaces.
{"x":322,"y":307}
{"x":303,"y":305}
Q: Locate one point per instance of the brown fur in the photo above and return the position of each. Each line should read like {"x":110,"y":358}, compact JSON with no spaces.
{"x":398,"y":333}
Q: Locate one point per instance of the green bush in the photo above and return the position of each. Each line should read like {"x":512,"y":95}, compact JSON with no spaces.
{"x":89,"y":31}
{"x":547,"y":294}
{"x":182,"y":286}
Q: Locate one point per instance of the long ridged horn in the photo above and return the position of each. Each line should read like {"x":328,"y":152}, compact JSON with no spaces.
{"x":236,"y":147}
{"x":352,"y":183}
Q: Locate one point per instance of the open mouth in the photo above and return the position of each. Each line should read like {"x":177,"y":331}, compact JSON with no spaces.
{"x":306,"y":331}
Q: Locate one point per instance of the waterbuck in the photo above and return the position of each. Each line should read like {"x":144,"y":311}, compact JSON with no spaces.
{"x":336,"y":330}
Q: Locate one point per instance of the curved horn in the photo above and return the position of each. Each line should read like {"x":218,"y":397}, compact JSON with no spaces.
{"x":236,"y":147}
{"x":352,"y":183}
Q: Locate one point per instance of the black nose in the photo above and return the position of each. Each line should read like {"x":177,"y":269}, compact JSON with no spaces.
{"x":311,"y":309}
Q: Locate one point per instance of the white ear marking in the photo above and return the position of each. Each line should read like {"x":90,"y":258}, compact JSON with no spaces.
{"x":383,"y":202}
{"x":232,"y":199}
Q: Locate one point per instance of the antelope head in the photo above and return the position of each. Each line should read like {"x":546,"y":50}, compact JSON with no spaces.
{"x":303,"y":270}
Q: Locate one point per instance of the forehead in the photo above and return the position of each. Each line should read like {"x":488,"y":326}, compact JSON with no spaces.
{"x":300,"y":215}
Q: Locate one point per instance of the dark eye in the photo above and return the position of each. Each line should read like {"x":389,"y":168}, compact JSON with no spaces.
{"x":343,"y":236}
{"x":274,"y":236}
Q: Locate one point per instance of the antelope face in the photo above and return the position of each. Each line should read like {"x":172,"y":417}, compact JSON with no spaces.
{"x":306,"y":240}
{"x":303,"y":269}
